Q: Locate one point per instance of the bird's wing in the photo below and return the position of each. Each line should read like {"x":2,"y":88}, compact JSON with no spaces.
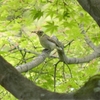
{"x":54,"y":41}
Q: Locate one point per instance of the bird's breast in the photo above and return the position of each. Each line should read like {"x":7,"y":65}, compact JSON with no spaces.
{"x":47,"y":44}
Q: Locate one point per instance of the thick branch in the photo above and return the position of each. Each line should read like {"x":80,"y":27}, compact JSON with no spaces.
{"x":92,"y":7}
{"x":23,"y":89}
{"x":73,"y":60}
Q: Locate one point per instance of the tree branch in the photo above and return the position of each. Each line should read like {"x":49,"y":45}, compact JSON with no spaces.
{"x":93,"y":8}
{"x":38,"y":60}
{"x":24,"y":89}
{"x":62,"y":56}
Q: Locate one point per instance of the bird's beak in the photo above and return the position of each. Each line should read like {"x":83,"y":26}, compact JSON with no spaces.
{"x":34,"y":31}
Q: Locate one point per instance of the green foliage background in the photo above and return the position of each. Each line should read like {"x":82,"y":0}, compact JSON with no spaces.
{"x":62,"y":18}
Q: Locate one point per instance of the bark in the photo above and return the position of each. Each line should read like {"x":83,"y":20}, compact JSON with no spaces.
{"x":24,"y":89}
{"x":92,"y":7}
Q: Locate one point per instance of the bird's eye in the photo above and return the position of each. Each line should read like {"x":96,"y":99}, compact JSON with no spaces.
{"x":40,"y":32}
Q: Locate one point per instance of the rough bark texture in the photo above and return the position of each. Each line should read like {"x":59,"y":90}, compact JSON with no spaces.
{"x":23,"y":89}
{"x":92,"y":7}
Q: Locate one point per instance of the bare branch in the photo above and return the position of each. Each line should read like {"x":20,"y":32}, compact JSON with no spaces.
{"x":38,"y":60}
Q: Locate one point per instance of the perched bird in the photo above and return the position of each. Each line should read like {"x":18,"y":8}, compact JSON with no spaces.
{"x":47,"y":42}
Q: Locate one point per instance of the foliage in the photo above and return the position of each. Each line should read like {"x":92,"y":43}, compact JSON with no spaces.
{"x":62,"y":18}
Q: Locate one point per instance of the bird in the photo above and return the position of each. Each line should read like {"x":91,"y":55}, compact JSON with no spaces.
{"x":46,"y":41}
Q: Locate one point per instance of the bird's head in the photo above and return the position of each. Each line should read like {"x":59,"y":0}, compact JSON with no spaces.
{"x":39,"y":33}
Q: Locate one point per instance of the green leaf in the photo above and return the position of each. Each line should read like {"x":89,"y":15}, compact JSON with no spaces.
{"x":51,"y":27}
{"x":36,"y":14}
